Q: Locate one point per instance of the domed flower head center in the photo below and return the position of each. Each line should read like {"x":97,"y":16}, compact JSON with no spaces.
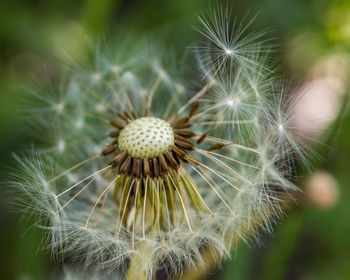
{"x":146,"y":137}
{"x":150,"y":147}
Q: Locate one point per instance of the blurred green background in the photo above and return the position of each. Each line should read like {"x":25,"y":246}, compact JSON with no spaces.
{"x":313,"y":240}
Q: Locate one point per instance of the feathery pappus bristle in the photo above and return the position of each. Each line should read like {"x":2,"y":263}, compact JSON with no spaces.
{"x":142,"y":165}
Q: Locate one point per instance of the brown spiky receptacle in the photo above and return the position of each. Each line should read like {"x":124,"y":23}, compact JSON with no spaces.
{"x":148,"y":154}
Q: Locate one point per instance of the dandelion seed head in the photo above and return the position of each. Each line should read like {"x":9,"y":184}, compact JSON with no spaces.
{"x":150,"y":166}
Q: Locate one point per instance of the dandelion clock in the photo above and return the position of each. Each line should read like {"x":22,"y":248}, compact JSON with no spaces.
{"x":143,"y":171}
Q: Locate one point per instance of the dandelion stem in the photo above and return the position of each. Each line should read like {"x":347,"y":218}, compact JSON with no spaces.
{"x":137,"y":263}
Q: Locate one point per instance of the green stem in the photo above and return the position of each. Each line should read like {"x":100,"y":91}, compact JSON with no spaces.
{"x":137,"y":269}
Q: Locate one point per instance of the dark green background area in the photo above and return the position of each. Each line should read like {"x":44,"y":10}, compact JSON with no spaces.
{"x":307,"y":244}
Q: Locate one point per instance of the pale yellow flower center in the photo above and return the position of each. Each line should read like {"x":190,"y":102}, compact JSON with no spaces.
{"x":146,"y":137}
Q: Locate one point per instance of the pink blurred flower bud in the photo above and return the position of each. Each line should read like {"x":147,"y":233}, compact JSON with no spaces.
{"x":322,"y":190}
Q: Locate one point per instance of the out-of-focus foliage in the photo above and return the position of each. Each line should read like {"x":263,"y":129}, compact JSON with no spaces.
{"x":310,"y":243}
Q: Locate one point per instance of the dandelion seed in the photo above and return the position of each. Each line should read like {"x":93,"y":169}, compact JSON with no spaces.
{"x":61,"y":146}
{"x":96,"y":78}
{"x":170,"y":173}
{"x":79,"y":124}
{"x":228,"y":51}
{"x":115,"y":69}
{"x":230,"y":102}
{"x":100,"y":108}
{"x":60,"y":107}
